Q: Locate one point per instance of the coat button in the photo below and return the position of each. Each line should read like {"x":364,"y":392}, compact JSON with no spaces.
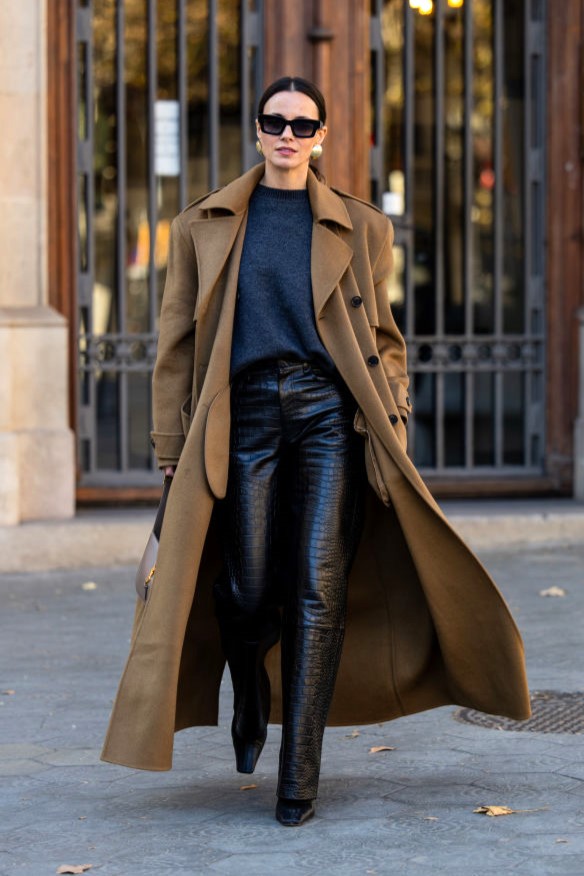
{"x":356,"y":301}
{"x":373,"y":360}
{"x":392,"y":419}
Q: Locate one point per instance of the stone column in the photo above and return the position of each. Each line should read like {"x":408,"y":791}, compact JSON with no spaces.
{"x":37,"y":457}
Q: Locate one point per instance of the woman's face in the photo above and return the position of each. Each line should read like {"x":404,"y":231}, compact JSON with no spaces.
{"x":285,"y":151}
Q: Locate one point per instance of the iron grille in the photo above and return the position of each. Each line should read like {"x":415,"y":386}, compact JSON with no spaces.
{"x":166,"y":100}
{"x":457,"y":161}
{"x":552,"y":712}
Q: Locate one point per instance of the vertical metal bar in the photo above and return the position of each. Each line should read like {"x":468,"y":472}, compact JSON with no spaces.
{"x":439,"y":419}
{"x":183,"y":101}
{"x":468,"y":231}
{"x":528,"y":148}
{"x":468,"y":167}
{"x":121,"y":224}
{"x":381,"y":181}
{"x":213,"y":96}
{"x":408,"y":79}
{"x":84,"y":165}
{"x":244,"y":73}
{"x":499,"y":415}
{"x":251,"y":78}
{"x":90,"y":190}
{"x":469,"y":388}
{"x":498,"y":55}
{"x":408,"y":76}
{"x":528,"y":222}
{"x":377,"y":70}
{"x":439,"y":122}
{"x":259,"y":44}
{"x":539,"y":207}
{"x":527,"y":416}
{"x":152,"y":87}
{"x":152,"y":90}
{"x":121,"y":177}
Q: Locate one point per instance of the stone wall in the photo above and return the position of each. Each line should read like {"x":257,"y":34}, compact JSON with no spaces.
{"x":37,"y":461}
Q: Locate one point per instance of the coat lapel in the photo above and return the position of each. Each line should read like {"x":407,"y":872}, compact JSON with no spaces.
{"x":214,"y":234}
{"x":213,"y":239}
{"x":330,"y":258}
{"x":330,"y":254}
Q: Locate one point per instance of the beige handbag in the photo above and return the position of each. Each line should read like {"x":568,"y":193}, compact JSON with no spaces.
{"x":147,"y":567}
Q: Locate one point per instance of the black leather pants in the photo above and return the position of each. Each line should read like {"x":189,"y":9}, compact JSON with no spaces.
{"x":290,"y":524}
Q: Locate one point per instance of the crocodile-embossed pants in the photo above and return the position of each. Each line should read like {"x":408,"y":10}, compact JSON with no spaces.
{"x":290,"y":524}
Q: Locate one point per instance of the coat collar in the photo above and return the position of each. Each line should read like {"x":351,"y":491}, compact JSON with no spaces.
{"x":214,"y":236}
{"x":326,"y":206}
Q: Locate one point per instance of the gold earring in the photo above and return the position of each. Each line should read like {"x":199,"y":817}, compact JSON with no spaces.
{"x":316,"y":151}
{"x":259,"y":147}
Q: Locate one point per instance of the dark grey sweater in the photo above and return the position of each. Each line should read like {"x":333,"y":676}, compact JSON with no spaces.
{"x":274,"y":317}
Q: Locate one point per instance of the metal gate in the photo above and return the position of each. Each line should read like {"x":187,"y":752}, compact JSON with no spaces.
{"x":457,"y":161}
{"x":167,"y":91}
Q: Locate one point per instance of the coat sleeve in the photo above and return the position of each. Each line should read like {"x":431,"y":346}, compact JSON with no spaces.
{"x":390,"y":342}
{"x":173,"y":372}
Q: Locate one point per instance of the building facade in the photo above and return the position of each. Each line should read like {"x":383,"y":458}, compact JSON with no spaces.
{"x":461,"y":119}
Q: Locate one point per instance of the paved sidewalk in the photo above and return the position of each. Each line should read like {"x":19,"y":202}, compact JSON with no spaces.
{"x":407,"y":811}
{"x":116,"y":536}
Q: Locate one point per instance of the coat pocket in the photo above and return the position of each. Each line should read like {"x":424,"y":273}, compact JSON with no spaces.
{"x":371,"y":462}
{"x":216,"y":446}
{"x":185,"y":414}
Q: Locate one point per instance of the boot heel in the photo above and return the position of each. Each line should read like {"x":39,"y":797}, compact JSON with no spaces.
{"x":293,"y":813}
{"x":246,"y":754}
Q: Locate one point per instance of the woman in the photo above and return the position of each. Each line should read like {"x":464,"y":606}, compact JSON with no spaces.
{"x":297,"y":529}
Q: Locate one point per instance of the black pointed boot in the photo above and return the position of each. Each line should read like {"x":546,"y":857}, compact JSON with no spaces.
{"x":310,"y":660}
{"x":251,"y":691}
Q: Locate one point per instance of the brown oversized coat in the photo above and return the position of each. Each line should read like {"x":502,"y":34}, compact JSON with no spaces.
{"x":426,"y":625}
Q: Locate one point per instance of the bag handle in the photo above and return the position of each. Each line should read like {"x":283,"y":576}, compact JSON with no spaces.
{"x":157,"y":528}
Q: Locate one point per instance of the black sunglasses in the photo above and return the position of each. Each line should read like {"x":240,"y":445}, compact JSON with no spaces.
{"x":301,"y":128}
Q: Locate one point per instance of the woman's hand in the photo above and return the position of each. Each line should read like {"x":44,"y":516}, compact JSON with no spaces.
{"x":169,"y":471}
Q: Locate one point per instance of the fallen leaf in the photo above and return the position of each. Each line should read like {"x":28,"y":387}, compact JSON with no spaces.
{"x":553,"y":591}
{"x":505,"y":810}
{"x":431,"y":818}
{"x":377,"y":748}
{"x":560,"y":840}
{"x":8,"y":692}
{"x":74,"y":868}
{"x":82,"y":817}
{"x":353,"y":734}
{"x":89,"y":585}
{"x":494,"y":810}
{"x":247,"y":787}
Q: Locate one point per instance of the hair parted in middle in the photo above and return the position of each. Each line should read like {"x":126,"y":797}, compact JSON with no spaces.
{"x":295,"y":83}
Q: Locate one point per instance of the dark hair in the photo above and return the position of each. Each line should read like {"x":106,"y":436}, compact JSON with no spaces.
{"x":295,"y":83}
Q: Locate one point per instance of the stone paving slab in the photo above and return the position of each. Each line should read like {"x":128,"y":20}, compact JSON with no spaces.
{"x":407,"y":811}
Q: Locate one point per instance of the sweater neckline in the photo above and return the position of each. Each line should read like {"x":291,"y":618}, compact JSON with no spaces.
{"x":274,"y":194}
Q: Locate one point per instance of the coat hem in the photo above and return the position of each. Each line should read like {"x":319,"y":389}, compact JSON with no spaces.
{"x":135,"y":766}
